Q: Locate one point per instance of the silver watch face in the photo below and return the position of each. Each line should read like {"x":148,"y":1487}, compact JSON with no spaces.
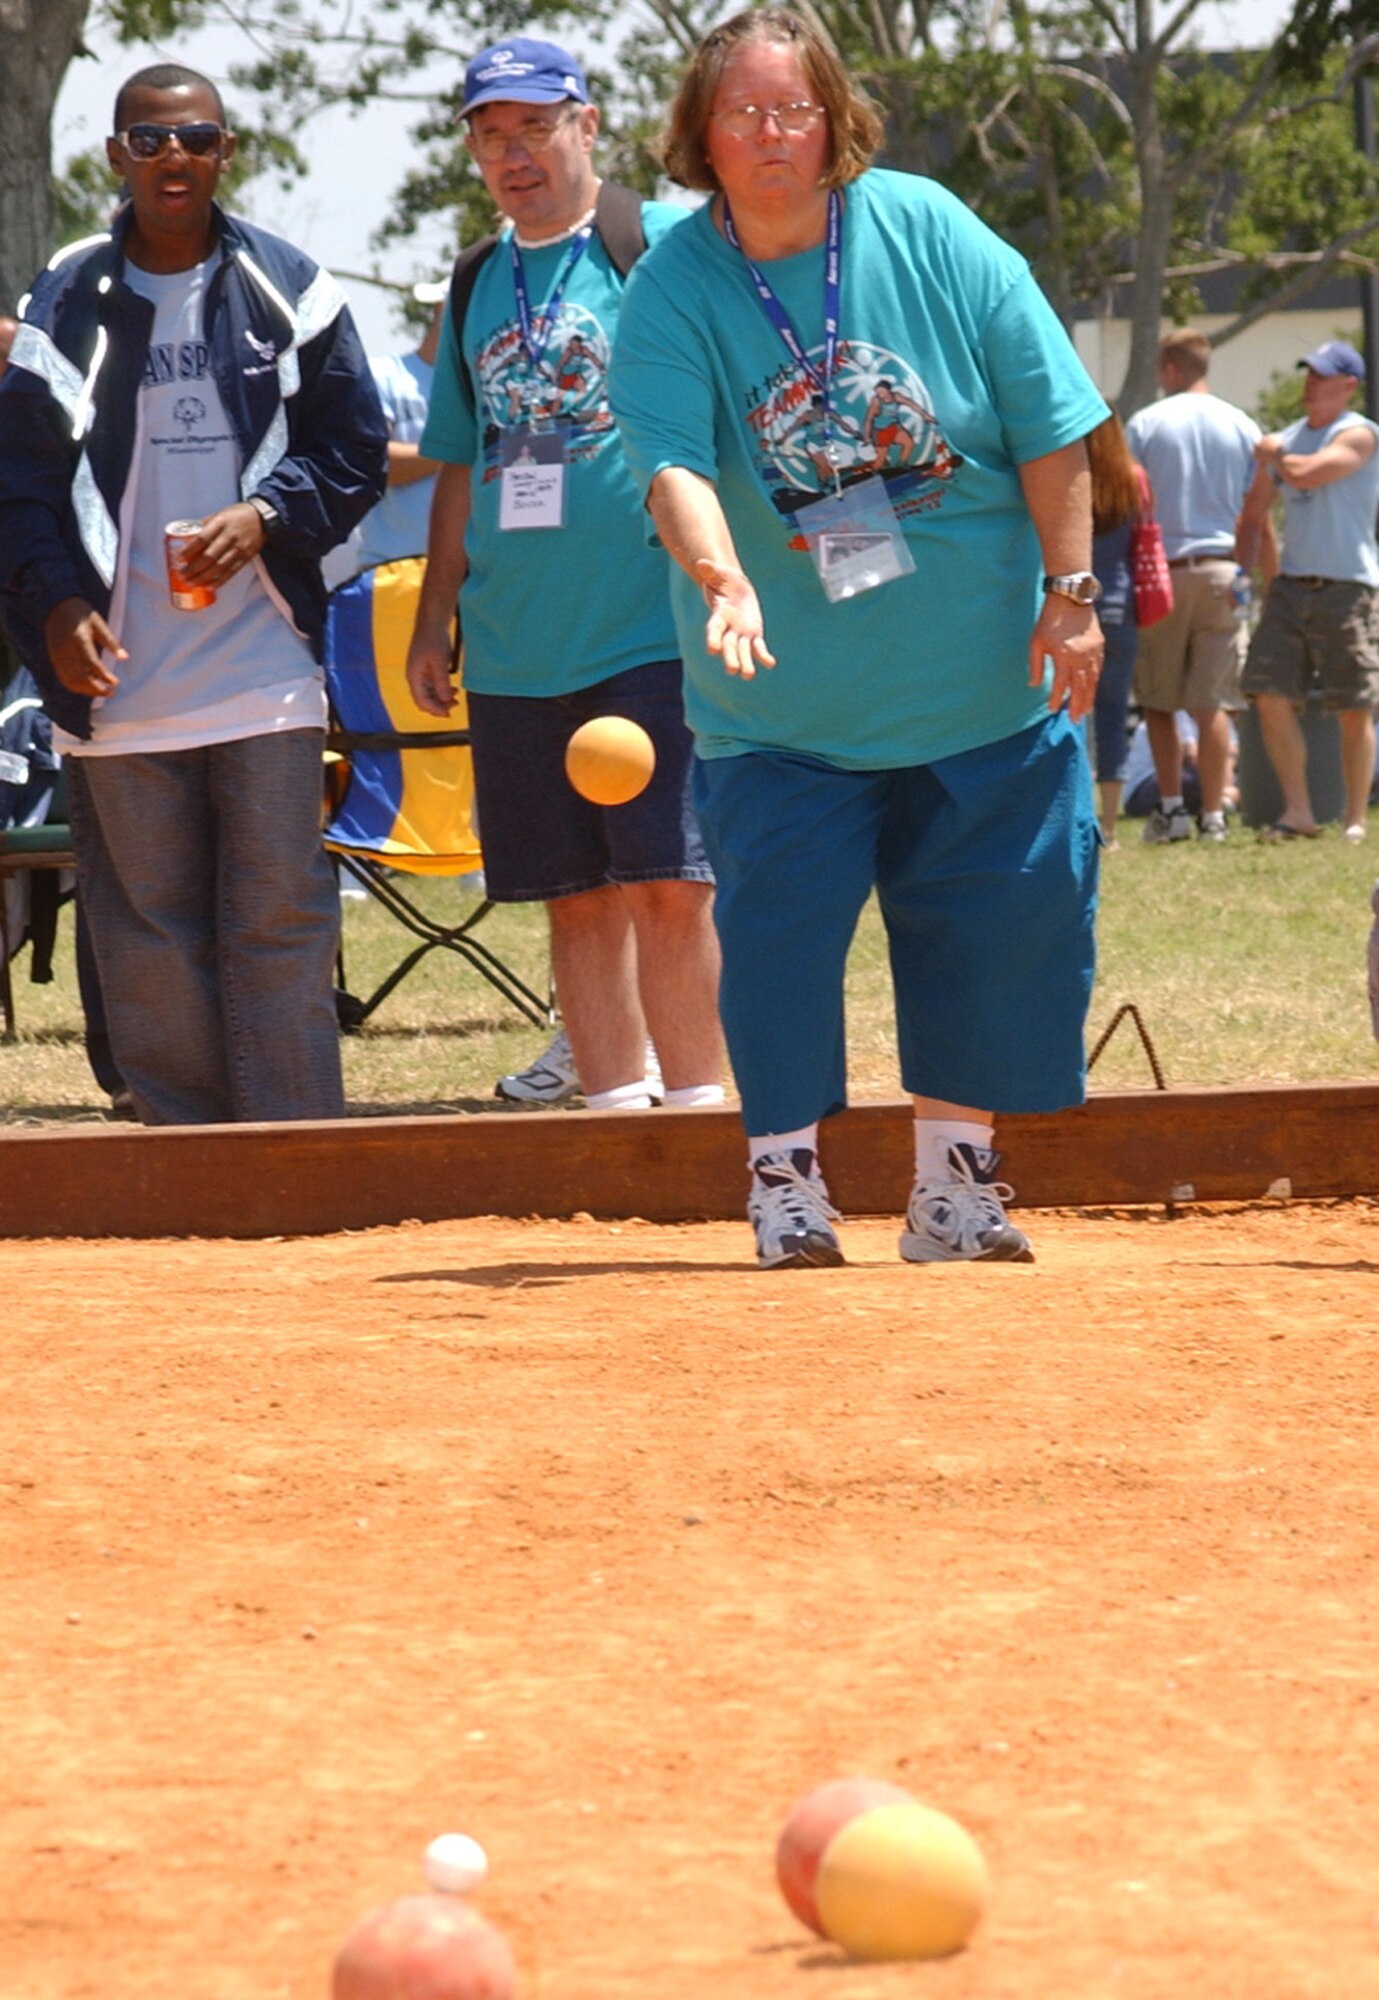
{"x":1080,"y":585}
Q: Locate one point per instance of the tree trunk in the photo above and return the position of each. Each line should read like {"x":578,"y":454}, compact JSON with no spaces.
{"x":38,"y":39}
{"x":1156,"y":222}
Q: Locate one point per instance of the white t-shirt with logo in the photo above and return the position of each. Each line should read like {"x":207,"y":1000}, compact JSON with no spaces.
{"x":239,"y":667}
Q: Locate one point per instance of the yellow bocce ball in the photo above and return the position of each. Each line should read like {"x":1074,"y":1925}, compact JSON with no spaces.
{"x":901,"y":1881}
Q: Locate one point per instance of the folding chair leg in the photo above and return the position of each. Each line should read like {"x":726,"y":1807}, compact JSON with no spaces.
{"x":352,"y":1011}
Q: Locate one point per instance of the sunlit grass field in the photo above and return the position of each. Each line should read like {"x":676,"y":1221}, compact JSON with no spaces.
{"x":1246,"y":963}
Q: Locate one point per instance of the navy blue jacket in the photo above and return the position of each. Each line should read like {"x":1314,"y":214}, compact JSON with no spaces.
{"x":296,"y":388}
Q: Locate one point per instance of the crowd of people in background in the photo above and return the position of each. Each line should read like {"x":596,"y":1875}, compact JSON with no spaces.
{"x":827,"y":503}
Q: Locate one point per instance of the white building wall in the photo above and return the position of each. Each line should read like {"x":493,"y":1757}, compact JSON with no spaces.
{"x":1242,"y":369}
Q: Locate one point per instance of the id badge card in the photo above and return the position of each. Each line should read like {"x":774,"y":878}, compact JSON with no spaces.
{"x":532,"y":494}
{"x":854,"y":540}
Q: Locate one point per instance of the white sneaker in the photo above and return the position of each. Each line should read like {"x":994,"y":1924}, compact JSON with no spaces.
{"x":551,"y":1079}
{"x":1163,"y":827}
{"x":1356,"y":832}
{"x":961,"y":1219}
{"x":789,"y":1209}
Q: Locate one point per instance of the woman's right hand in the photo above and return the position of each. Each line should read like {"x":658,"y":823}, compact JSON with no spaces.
{"x":735,"y":629}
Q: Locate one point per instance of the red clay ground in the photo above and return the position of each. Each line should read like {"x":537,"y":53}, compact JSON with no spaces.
{"x":589,"y":1540}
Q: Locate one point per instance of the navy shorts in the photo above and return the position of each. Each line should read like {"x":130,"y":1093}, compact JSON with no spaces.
{"x":540,"y":839}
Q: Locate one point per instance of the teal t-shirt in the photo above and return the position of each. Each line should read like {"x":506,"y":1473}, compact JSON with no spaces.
{"x":953,"y":370}
{"x":549,"y":610}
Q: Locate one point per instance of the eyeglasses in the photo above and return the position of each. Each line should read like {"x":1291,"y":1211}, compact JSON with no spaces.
{"x":533,"y":135}
{"x":150,"y":142}
{"x":744,"y":121}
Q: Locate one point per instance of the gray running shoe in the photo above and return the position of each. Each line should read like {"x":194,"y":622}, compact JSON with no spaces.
{"x":1161,"y":827}
{"x":789,"y":1209}
{"x":961,"y":1219}
{"x":551,"y":1079}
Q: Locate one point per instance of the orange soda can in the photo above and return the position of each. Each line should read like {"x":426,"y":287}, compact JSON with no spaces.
{"x":185,"y":595}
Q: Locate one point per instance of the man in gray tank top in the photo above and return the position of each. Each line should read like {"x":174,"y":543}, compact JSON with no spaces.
{"x":1318,"y":626}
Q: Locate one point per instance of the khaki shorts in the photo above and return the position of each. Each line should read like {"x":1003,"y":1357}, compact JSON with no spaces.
{"x":1193,"y":658}
{"x":1317,"y":634}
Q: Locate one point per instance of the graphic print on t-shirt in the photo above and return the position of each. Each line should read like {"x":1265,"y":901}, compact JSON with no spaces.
{"x":181,"y":424}
{"x":569,"y":390}
{"x":881,"y":420}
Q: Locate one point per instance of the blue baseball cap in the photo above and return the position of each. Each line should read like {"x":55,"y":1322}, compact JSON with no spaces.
{"x":1334,"y":357}
{"x":523,"y":71}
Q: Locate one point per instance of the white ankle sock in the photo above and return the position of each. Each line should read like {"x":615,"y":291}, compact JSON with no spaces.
{"x":696,"y":1093}
{"x":622,"y":1097}
{"x":1171,"y":805}
{"x":933,"y":1137}
{"x":783,"y":1142}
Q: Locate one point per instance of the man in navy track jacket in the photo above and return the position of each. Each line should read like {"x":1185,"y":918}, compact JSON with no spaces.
{"x":190,"y":367}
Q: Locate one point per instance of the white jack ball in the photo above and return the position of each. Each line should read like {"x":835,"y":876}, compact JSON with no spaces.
{"x":455,"y":1864}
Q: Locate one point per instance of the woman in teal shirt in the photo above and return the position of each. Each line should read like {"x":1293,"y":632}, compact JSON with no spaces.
{"x":858,"y":426}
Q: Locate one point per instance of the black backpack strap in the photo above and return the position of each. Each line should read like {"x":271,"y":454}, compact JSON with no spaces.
{"x":618,"y":220}
{"x":468,"y":265}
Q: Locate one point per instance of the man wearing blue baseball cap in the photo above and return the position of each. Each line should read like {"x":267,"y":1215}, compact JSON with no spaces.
{"x":1318,"y":625}
{"x":538,"y":533}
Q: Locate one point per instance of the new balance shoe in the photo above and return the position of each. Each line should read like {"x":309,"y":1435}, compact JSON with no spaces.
{"x":961,"y":1219}
{"x":551,"y":1079}
{"x":789,"y":1209}
{"x":1212,"y":827}
{"x":1163,"y":827}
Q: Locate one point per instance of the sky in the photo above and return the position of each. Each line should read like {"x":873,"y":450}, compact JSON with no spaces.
{"x":357,"y":159}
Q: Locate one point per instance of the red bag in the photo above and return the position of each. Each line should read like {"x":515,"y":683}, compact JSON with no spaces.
{"x":1149,"y":571}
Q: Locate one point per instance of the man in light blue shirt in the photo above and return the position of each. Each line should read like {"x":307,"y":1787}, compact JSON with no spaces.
{"x":1198,"y":451}
{"x":396,"y":527}
{"x":1318,"y":623}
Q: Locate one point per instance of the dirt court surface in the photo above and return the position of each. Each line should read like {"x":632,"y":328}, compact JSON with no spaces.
{"x":592,"y":1541}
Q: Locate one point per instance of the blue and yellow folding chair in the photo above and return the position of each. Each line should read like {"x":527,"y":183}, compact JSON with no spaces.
{"x":401,"y":793}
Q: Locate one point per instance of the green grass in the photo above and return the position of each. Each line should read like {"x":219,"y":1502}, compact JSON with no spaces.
{"x":1246,"y":962}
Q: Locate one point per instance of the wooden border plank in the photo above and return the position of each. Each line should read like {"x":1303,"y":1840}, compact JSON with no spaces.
{"x":1130,"y":1149}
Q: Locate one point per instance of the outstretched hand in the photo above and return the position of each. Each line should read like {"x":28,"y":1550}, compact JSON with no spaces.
{"x":735,"y":629}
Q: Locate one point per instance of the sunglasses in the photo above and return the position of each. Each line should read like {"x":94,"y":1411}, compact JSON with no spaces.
{"x":150,"y":142}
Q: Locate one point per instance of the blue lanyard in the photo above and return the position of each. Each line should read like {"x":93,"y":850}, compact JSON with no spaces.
{"x":820,"y":382}
{"x":536,"y":333}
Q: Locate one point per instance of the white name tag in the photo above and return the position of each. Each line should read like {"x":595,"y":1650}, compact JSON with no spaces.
{"x":533,"y":479}
{"x":855,"y":541}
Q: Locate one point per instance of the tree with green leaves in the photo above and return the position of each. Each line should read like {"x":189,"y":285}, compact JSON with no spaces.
{"x":1096,"y":134}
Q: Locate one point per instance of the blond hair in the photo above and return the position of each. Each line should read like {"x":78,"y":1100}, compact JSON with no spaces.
{"x":1186,"y":352}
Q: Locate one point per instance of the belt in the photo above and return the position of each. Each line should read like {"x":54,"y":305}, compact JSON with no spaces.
{"x":1309,"y":582}
{"x":1196,"y":562}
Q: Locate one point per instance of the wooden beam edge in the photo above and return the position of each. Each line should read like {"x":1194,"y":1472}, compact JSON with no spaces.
{"x":1118,"y":1149}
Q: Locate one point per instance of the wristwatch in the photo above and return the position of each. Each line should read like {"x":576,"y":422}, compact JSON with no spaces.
{"x":1079,"y":584}
{"x":266,"y":512}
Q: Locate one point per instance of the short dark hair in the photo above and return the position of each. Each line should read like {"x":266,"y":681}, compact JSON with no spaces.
{"x":166,"y":76}
{"x":854,"y":124}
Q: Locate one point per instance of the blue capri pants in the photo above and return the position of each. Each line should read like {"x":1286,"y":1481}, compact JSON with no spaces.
{"x":985,"y":866}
